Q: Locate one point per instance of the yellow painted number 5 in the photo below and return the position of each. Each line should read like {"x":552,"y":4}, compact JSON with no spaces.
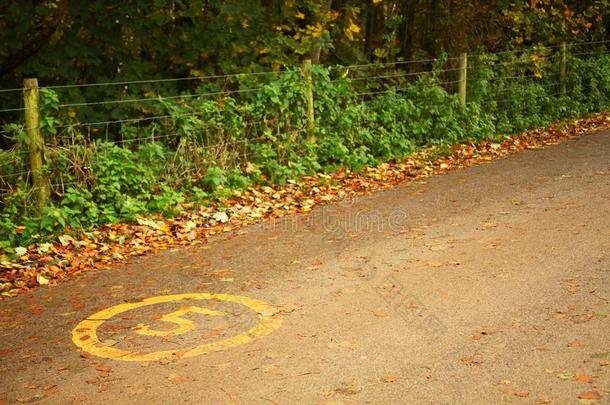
{"x":183,"y":325}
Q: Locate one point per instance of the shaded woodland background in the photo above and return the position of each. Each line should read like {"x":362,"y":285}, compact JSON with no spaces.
{"x":64,"y":41}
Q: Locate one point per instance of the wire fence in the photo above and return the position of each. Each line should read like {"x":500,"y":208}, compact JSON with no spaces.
{"x":224,"y":93}
{"x":505,"y":74}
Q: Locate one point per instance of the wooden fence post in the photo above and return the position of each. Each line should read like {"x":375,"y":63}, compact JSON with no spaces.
{"x":311,"y":122}
{"x":40,"y":184}
{"x":563,"y":69}
{"x":463,"y":78}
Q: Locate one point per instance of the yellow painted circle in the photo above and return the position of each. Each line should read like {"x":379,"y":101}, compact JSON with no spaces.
{"x":84,"y":335}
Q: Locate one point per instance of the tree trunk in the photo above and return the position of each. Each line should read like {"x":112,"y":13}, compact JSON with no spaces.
{"x":406,"y":29}
{"x":321,"y":16}
{"x":375,"y":27}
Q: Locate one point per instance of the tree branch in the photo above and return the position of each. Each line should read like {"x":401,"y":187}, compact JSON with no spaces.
{"x":40,"y":39}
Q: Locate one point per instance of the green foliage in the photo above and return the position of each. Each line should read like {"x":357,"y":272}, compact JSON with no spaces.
{"x":208,"y":147}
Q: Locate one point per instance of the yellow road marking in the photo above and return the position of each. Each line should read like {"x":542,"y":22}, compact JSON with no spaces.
{"x":84,"y":335}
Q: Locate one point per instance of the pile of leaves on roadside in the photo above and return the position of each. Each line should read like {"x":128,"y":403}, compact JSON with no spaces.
{"x":45,"y":263}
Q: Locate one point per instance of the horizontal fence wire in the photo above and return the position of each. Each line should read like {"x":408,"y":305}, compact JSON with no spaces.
{"x":493,"y":64}
{"x":605,"y":41}
{"x":366,"y":93}
{"x":275,"y":72}
{"x":7,"y":191}
{"x":393,"y":75}
{"x":159,"y":99}
{"x":12,"y":109}
{"x":229,"y":92}
{"x":598,"y":52}
{"x":538,"y":49}
{"x":12,"y":90}
{"x":226,"y":143}
{"x":523,"y":86}
{"x":532,"y":76}
{"x":6,"y":176}
{"x":152,"y":81}
{"x":397,"y":63}
{"x":154,"y":137}
{"x":139,"y":120}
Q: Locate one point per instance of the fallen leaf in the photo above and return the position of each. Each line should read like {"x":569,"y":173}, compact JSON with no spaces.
{"x":35,"y":309}
{"x":470,"y":360}
{"x":380,"y":313}
{"x":522,"y":394}
{"x":33,"y":398}
{"x":103,"y":369}
{"x":221,"y":217}
{"x":573,"y":289}
{"x":586,"y":378}
{"x":179,"y":379}
{"x":20,"y":251}
{"x":351,"y":388}
{"x":389,"y":378}
{"x":42,"y":280}
{"x":591,"y":395}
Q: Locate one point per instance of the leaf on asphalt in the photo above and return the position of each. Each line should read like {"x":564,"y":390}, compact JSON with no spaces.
{"x":33,"y":398}
{"x":565,"y":375}
{"x":351,"y":388}
{"x":573,"y":289}
{"x":288,"y":308}
{"x":586,"y":378}
{"x":179,"y":379}
{"x":522,"y":394}
{"x":380,"y":313}
{"x":470,"y":360}
{"x":103,"y":368}
{"x":592,"y":395}
{"x":109,"y":342}
{"x":35,"y":309}
{"x":389,"y":378}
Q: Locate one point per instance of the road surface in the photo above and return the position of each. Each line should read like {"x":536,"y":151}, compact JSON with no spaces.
{"x":490,"y":284}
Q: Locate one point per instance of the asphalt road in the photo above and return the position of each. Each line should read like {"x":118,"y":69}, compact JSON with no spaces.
{"x":487,"y":285}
